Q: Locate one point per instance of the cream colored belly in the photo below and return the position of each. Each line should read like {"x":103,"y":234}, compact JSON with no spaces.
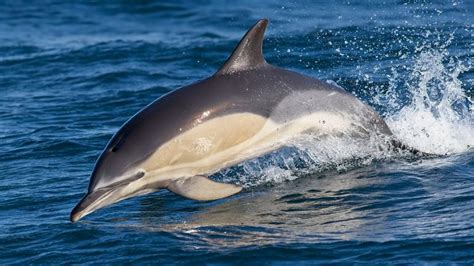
{"x":227,"y":140}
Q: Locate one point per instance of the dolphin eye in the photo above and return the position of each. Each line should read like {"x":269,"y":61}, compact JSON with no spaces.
{"x":140,"y":174}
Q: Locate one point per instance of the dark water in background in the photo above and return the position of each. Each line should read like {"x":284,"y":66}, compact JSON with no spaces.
{"x":72,"y":73}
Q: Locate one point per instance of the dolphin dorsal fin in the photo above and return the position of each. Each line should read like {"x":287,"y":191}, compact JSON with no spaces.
{"x":248,"y":54}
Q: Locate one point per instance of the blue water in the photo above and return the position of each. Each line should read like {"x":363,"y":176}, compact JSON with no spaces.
{"x":72,"y":73}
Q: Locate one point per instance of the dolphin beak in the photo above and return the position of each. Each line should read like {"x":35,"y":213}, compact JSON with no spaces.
{"x":77,"y":212}
{"x":92,"y":202}
{"x":105,"y":196}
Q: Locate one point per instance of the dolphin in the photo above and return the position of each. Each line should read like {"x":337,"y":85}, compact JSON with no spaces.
{"x":246,"y":109}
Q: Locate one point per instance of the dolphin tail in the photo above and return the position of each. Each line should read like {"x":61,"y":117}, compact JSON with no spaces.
{"x":202,"y":188}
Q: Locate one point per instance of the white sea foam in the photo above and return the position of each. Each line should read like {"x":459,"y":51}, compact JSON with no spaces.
{"x":308,"y":155}
{"x":439,"y":117}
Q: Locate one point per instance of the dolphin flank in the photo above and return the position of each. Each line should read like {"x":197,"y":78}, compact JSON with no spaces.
{"x":246,"y":109}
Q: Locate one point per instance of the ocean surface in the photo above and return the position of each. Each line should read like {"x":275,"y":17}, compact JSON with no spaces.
{"x":72,"y":72}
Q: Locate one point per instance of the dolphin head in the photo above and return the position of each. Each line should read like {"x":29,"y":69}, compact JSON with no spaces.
{"x":116,"y":173}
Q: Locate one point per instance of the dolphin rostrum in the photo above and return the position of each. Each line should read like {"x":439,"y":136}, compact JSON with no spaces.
{"x":247,"y":108}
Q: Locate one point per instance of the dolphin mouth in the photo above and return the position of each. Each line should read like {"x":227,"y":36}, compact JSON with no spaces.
{"x":90,"y":203}
{"x":102,"y":197}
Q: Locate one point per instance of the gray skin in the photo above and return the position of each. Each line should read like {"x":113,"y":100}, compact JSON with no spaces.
{"x":245,"y":83}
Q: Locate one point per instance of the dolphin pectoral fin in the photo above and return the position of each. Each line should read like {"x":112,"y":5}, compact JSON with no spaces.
{"x":202,"y":188}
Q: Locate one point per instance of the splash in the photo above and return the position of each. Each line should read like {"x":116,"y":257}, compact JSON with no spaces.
{"x":439,"y":116}
{"x":308,"y":155}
